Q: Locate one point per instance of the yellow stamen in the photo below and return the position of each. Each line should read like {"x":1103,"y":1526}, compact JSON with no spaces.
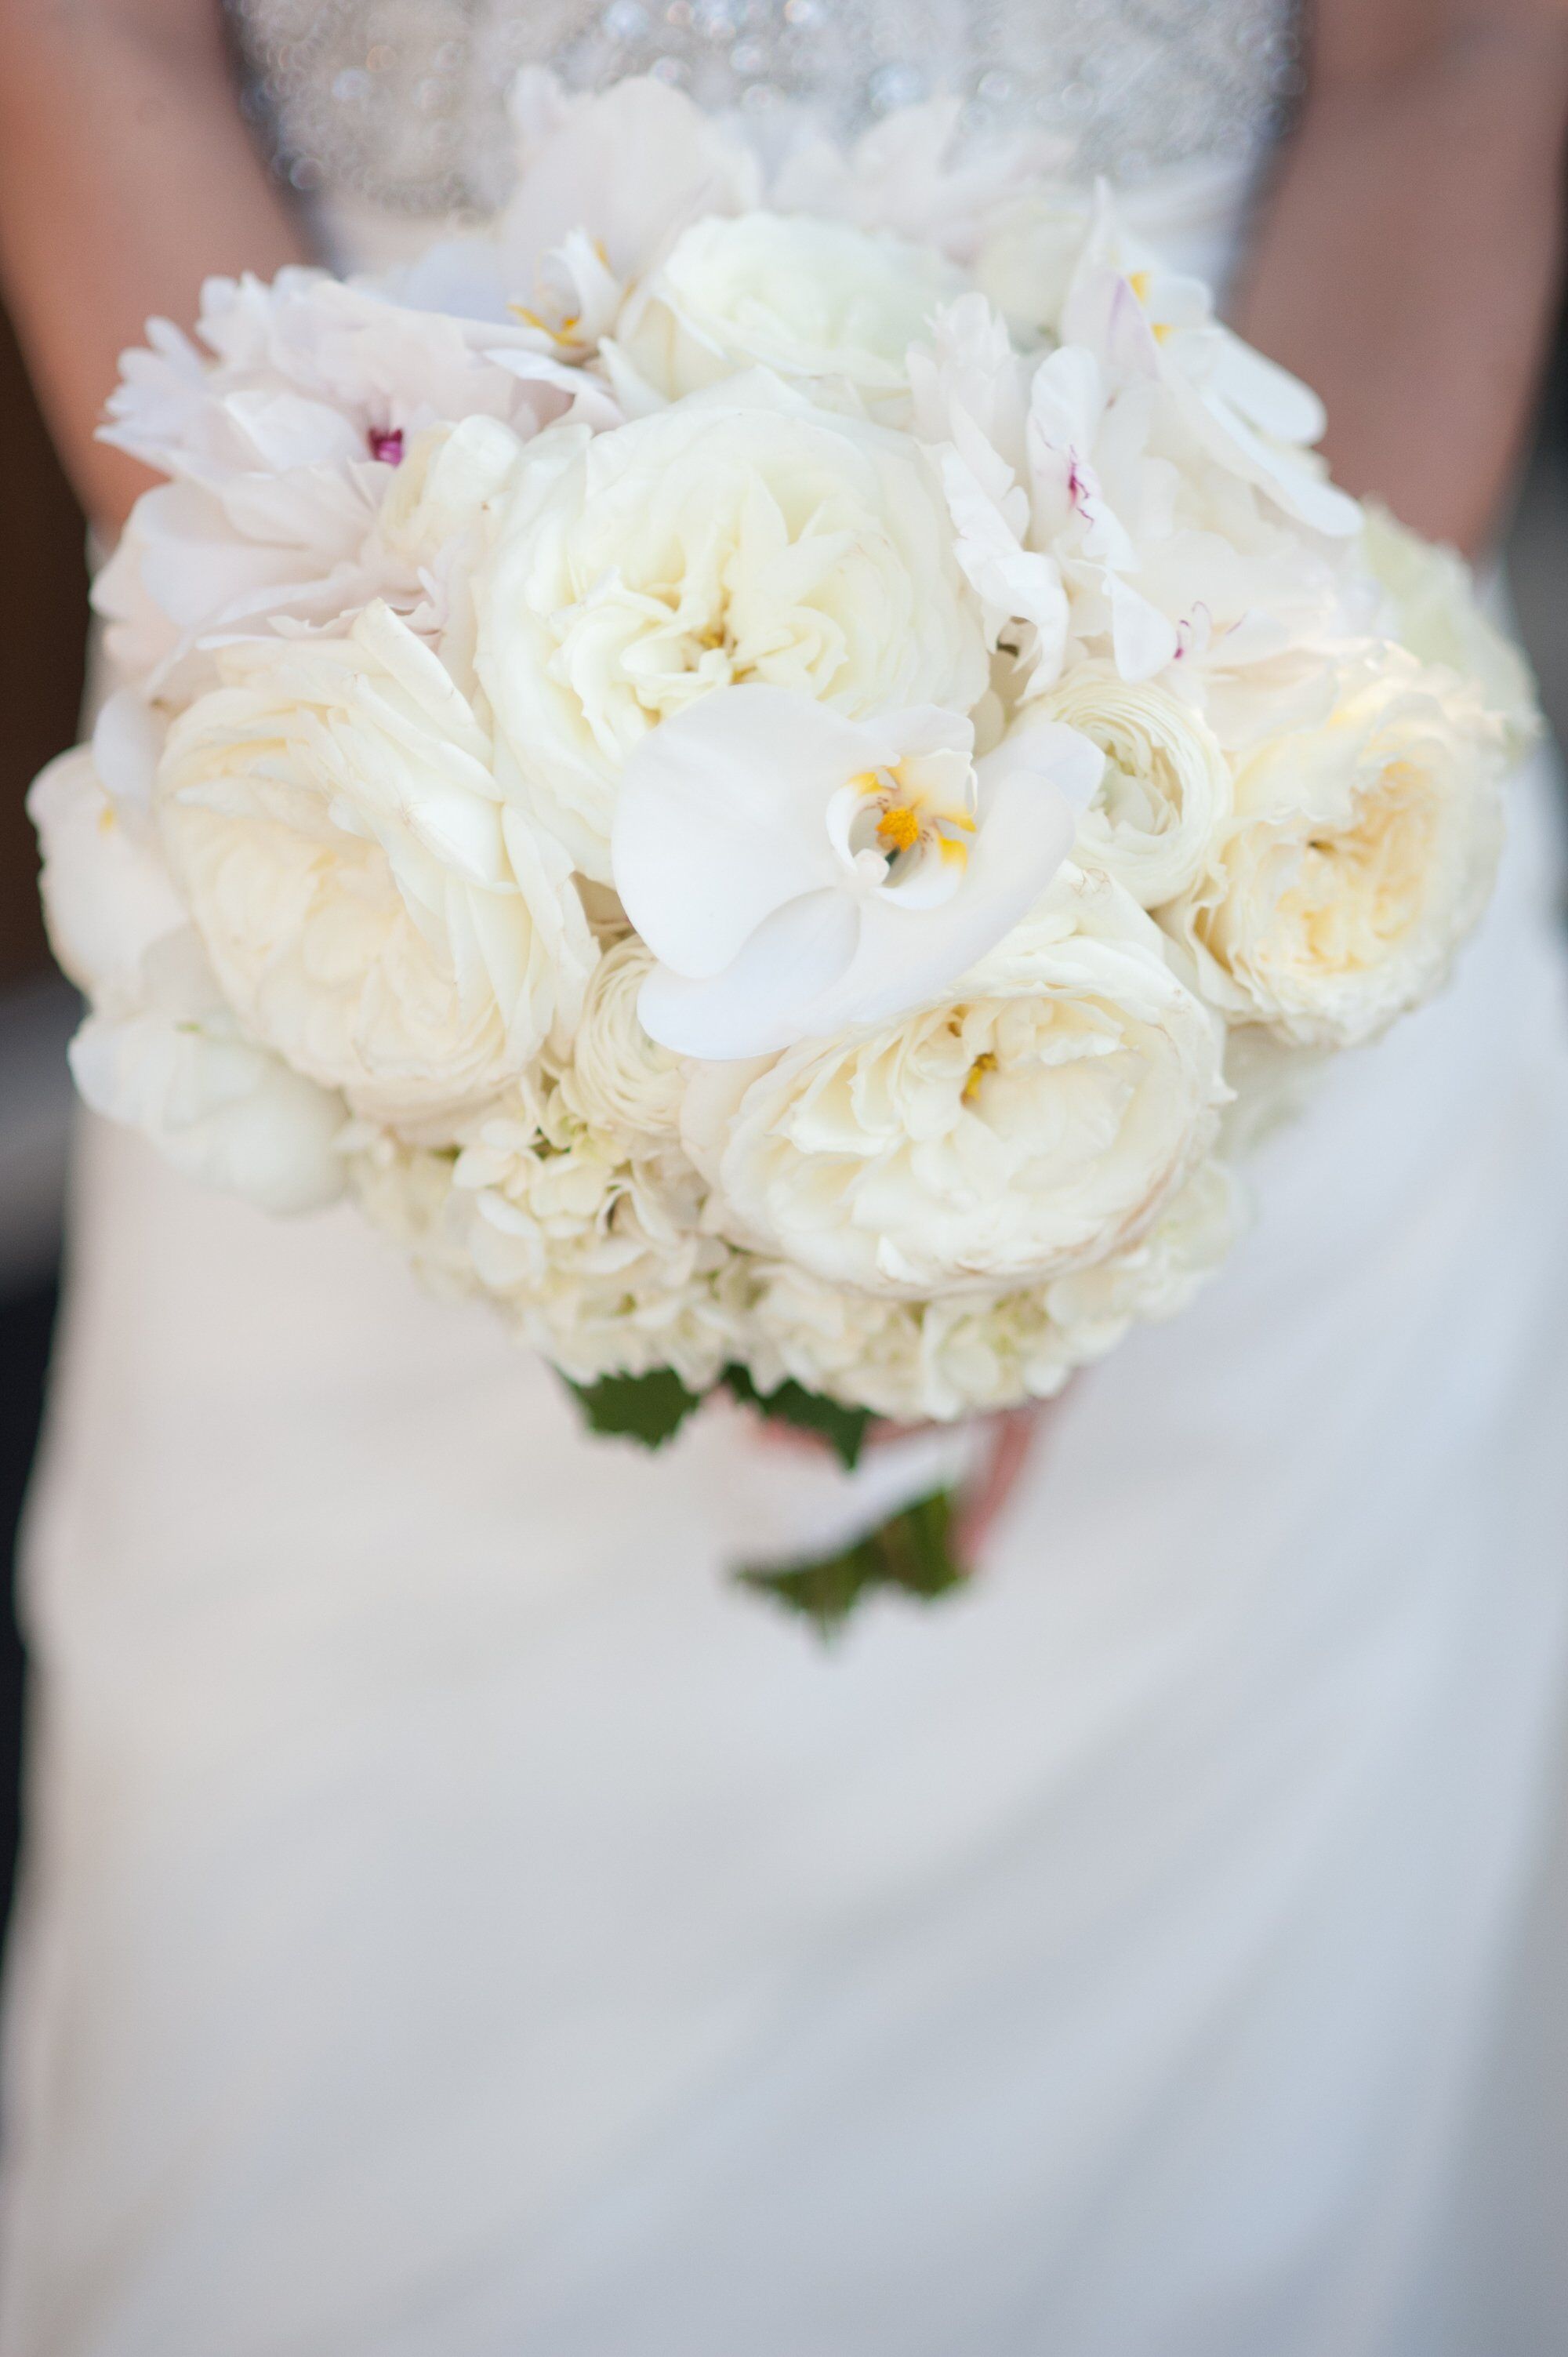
{"x":899,"y":827}
{"x":560,"y":334}
{"x":977,"y":1071}
{"x":1139,"y":281}
{"x":1162,"y":329}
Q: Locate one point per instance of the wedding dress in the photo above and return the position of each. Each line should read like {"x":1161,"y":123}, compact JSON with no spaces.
{"x":457,"y":1922}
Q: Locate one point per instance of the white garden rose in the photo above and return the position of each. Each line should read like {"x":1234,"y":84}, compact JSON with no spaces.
{"x":1165,"y":787}
{"x":375,"y":904}
{"x":742,"y":535}
{"x":1440,"y":620}
{"x":828,"y":307}
{"x":1156,"y":1278}
{"x":1359,"y":854}
{"x":970,"y":1356}
{"x":618,"y":1079}
{"x":1028,"y":1126}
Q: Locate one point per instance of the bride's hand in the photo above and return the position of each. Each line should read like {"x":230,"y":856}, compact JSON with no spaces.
{"x":1009,"y":1442}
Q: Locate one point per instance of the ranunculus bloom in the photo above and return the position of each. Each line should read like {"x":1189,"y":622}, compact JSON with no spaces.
{"x":375,"y":907}
{"x":828,"y":307}
{"x":743,"y":535}
{"x":618,"y":1079}
{"x":1028,"y":1126}
{"x":1165,"y":787}
{"x":1359,"y":856}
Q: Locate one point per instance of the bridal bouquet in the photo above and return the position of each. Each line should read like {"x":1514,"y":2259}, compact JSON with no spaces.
{"x":773,"y":774}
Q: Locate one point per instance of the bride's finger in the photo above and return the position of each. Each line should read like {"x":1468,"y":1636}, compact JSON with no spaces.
{"x":1010,"y":1442}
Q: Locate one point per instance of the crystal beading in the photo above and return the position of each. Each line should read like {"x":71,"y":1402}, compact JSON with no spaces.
{"x":401,"y":102}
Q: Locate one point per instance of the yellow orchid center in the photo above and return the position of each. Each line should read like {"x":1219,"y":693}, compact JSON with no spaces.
{"x":907,"y":816}
{"x":1142,"y":283}
{"x":561,"y":333}
{"x":899,"y":827}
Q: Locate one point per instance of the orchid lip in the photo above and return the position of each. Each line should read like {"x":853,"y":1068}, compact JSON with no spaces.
{"x":897,"y":839}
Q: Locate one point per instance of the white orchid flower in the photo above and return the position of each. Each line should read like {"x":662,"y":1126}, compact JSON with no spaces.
{"x":968,"y":397}
{"x":796,"y":873}
{"x":1143,"y":319}
{"x":604,"y":185}
{"x":1078,"y":425}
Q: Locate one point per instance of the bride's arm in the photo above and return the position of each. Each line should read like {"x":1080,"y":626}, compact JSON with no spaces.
{"x":1408,"y":261}
{"x":126,"y":176}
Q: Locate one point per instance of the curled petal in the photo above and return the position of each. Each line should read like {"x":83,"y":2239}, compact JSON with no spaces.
{"x":718,"y":823}
{"x":791,"y":962}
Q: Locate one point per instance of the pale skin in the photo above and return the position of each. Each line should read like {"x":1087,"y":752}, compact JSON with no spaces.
{"x":1406,"y":260}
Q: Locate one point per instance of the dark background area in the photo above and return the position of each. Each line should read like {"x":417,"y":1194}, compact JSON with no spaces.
{"x":42,"y":637}
{"x":43,"y":592}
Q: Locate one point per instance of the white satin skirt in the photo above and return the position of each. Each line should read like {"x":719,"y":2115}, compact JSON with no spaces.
{"x":457,"y":1922}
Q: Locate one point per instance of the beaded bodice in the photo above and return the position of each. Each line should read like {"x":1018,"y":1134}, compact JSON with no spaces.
{"x":402,"y":100}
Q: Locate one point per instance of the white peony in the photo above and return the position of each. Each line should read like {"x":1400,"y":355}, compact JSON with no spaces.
{"x":1028,"y":1126}
{"x":1359,"y":854}
{"x":828,"y":307}
{"x":375,"y":908}
{"x":741,"y":535}
{"x":913,"y":172}
{"x":431,"y":530}
{"x":160,"y":1052}
{"x":1028,"y":259}
{"x":283,"y":440}
{"x":1165,"y":787}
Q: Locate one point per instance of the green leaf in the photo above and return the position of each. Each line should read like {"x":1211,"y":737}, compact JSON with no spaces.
{"x":651,"y":1408}
{"x":912,"y":1551}
{"x":843,"y":1428}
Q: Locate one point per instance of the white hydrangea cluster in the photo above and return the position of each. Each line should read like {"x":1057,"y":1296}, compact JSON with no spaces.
{"x":771,"y":773}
